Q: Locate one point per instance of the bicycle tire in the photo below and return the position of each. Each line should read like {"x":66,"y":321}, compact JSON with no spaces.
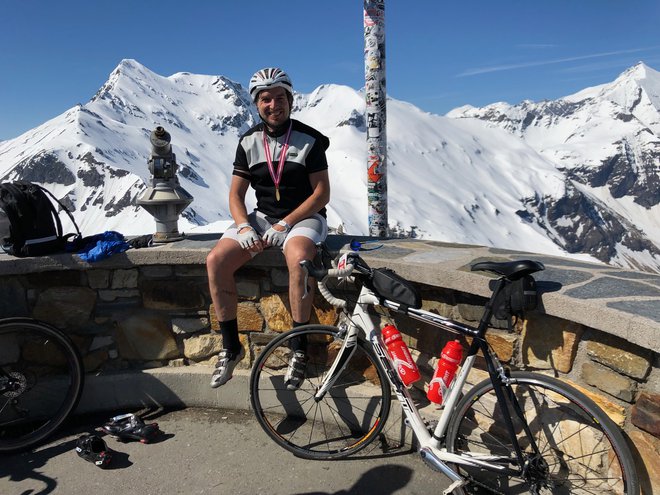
{"x":350,"y":415}
{"x":41,"y":380}
{"x":584,"y":451}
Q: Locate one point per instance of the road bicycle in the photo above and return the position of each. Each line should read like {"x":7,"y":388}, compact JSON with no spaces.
{"x":514,"y":432}
{"x":41,"y":380}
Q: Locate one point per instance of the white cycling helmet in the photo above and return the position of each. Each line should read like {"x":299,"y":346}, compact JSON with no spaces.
{"x":269,"y":78}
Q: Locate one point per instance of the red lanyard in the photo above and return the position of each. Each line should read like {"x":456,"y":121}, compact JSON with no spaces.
{"x":277,"y":176}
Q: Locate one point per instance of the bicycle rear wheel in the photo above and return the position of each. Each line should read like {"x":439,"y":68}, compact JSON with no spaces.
{"x":345,"y":420}
{"x":582,"y":450}
{"x":41,"y":379}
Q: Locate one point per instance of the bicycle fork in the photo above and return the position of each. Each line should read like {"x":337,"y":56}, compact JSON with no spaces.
{"x":349,"y":334}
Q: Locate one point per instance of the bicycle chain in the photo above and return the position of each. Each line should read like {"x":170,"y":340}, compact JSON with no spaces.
{"x":472,"y":481}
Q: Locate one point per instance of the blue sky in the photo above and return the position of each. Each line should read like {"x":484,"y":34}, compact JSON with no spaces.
{"x":440,"y":54}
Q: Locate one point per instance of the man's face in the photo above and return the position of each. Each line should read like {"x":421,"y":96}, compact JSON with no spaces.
{"x":273,"y":106}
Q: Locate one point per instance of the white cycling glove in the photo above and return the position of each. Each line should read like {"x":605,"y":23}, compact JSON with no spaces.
{"x":248,"y":238}
{"x":274,"y":237}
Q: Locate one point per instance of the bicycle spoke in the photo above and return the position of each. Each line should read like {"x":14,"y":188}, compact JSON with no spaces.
{"x":492,"y":421}
{"x":337,"y":413}
{"x":578,"y":454}
{"x":333,"y":425}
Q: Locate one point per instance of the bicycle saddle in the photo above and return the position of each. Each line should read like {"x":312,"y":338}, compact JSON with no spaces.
{"x":512,"y":270}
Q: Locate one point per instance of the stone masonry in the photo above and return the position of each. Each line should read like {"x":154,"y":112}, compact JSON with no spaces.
{"x":134,"y":316}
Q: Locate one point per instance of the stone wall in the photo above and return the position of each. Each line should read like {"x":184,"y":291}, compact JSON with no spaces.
{"x":143,"y":316}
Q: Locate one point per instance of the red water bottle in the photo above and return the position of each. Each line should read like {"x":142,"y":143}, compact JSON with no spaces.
{"x":401,"y":356}
{"x":445,"y":371}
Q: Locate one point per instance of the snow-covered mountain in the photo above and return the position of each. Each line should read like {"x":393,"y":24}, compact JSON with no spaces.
{"x":575,"y":176}
{"x":606,"y":141}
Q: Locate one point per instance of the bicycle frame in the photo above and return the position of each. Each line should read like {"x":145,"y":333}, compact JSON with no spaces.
{"x":430,"y":444}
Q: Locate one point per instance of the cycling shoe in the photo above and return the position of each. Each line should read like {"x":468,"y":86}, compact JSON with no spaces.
{"x":131,"y":427}
{"x":92,"y":448}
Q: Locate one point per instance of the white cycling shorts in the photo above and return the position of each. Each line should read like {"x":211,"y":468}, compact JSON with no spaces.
{"x":314,"y":228}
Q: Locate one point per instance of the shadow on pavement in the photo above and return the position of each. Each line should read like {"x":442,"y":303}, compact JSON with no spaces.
{"x":384,"y":480}
{"x":27,"y":466}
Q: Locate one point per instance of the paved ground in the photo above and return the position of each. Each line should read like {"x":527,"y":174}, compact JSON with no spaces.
{"x":210,"y":451}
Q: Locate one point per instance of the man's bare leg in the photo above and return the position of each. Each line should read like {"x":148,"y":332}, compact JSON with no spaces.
{"x":296,"y":250}
{"x":221,"y":264}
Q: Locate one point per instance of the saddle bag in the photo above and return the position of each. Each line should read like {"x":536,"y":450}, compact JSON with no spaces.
{"x":388,"y":285}
{"x":515,"y":298}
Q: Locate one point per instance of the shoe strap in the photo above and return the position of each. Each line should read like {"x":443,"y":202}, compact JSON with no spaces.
{"x":297,"y":365}
{"x":299,"y":358}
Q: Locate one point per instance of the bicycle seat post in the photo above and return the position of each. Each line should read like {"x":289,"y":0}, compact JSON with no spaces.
{"x":488,"y":308}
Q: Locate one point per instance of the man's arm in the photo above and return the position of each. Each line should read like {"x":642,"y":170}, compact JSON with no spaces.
{"x":237,"y":191}
{"x":238,"y":211}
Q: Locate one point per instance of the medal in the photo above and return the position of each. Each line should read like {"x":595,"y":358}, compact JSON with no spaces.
{"x":276,"y":175}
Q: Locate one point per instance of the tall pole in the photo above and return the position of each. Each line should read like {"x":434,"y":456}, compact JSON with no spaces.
{"x":375,"y":95}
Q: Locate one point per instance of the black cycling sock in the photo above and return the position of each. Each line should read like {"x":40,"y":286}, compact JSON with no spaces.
{"x":298,"y":343}
{"x":229,"y":332}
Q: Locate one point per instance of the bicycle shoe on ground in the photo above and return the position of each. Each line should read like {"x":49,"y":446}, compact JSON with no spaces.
{"x":224,"y":369}
{"x":131,"y":427}
{"x":295,"y":372}
{"x":92,"y":448}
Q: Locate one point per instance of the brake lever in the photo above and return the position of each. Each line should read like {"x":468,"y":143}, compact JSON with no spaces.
{"x":307,"y":266}
{"x":306,"y":289}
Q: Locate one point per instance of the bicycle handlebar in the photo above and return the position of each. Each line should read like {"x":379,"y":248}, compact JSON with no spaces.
{"x":321,"y":274}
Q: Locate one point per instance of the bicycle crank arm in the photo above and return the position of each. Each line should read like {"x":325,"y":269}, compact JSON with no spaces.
{"x":456,"y":484}
{"x":436,"y":464}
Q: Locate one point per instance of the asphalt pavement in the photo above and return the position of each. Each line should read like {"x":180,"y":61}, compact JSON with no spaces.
{"x":203,"y":451}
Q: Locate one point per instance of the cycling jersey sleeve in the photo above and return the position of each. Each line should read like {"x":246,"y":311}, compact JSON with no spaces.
{"x":317,"y":160}
{"x":241,"y":167}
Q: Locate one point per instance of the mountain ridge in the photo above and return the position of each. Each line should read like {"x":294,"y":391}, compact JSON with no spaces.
{"x":504,"y":175}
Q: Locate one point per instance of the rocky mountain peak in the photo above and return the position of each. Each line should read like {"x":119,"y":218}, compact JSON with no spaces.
{"x":576,"y":175}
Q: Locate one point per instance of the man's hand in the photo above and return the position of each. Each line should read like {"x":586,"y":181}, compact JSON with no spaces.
{"x":276,"y":234}
{"x":247,"y":237}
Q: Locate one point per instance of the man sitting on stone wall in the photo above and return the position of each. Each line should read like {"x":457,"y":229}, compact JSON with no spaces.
{"x":284,"y":161}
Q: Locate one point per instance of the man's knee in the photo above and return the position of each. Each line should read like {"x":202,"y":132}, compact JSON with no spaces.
{"x":212,"y":259}
{"x":224,"y":258}
{"x":301,"y":249}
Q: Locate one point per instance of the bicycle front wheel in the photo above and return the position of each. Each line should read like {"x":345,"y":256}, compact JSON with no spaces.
{"x":581,"y":450}
{"x":41,"y":379}
{"x":346,"y":419}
